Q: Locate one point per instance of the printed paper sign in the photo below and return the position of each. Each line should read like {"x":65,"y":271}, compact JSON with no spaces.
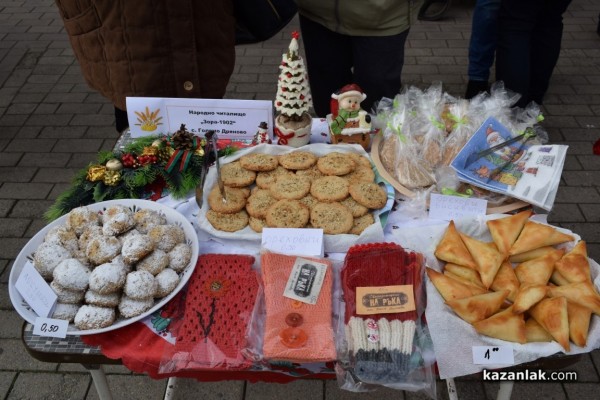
{"x":493,"y":355}
{"x":454,"y":207}
{"x":384,"y":299}
{"x":230,"y":119}
{"x":50,"y":327}
{"x":295,"y":242}
{"x":305,"y":281}
{"x":36,"y":291}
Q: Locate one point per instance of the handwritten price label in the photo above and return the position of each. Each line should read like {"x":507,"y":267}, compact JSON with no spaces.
{"x":50,"y":327}
{"x":493,"y":355}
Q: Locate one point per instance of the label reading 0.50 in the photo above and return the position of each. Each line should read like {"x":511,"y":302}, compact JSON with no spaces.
{"x":50,"y":327}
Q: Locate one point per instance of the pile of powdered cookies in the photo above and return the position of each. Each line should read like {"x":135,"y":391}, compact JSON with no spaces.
{"x":335,"y":192}
{"x":113,"y":264}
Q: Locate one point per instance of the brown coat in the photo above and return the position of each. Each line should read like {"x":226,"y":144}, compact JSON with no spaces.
{"x":152,"y":48}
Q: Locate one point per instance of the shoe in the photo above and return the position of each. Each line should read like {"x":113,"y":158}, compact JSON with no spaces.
{"x":475,"y":87}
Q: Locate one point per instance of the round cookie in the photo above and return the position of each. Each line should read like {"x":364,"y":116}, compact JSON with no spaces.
{"x":360,"y":160}
{"x":336,"y":164}
{"x":333,"y":218}
{"x":166,"y":282}
{"x":309,"y":201}
{"x":81,"y":217}
{"x":165,"y":237}
{"x":94,"y":317}
{"x":129,"y":307}
{"x":287,"y":214}
{"x":228,"y":222}
{"x":67,"y":296}
{"x":180,"y":257}
{"x":234,"y":202}
{"x":154,"y":262}
{"x":369,"y":194}
{"x":264,"y":180}
{"x":257,"y":224}
{"x":65,"y":311}
{"x":234,"y":175}
{"x":107,"y":278}
{"x":132,"y":232}
{"x":357,"y":210}
{"x":139,"y":284}
{"x":360,"y":174}
{"x":259,"y":202}
{"x":361,"y":223}
{"x":88,"y":233}
{"x":64,"y":237}
{"x":72,"y":275}
{"x":259,"y":162}
{"x":329,"y":189}
{"x":117,"y":220}
{"x":290,"y":187}
{"x":137,"y":247}
{"x":147,"y":219}
{"x":102,"y":249}
{"x":47,"y":257}
{"x":297,"y":160}
{"x":311,"y":173}
{"x":102,"y":300}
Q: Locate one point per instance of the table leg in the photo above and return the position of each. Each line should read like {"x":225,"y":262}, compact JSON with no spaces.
{"x":505,"y":390}
{"x":452,"y":392}
{"x":170,"y":391}
{"x":100,"y":381}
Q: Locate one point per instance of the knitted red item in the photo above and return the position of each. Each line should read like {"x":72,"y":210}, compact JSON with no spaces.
{"x":218,"y":307}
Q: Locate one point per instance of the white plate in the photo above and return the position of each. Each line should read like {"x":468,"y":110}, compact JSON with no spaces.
{"x":172,"y":217}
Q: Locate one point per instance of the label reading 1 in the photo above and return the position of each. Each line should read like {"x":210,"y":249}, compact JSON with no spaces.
{"x":50,"y":327}
{"x":305,"y":281}
{"x":384,"y":299}
{"x":493,"y":355}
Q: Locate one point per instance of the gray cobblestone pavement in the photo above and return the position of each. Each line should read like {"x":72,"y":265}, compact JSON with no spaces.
{"x":51,"y":124}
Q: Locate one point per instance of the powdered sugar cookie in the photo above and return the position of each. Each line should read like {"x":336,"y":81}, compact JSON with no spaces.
{"x":139,"y":284}
{"x":147,"y":219}
{"x":94,"y":317}
{"x":154,"y":262}
{"x":65,"y":311}
{"x":47,"y":256}
{"x":180,"y":257}
{"x":117,"y":220}
{"x":102,"y":300}
{"x":64,"y":237}
{"x":129,"y":307}
{"x":137,"y":247}
{"x":166,"y":282}
{"x":165,"y":237}
{"x":102,"y":249}
{"x":71,"y":275}
{"x":67,"y":296}
{"x":107,"y":278}
{"x":81,"y":217}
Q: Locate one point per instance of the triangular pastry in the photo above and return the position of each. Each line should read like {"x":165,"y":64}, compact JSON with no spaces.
{"x":452,"y":249}
{"x":579,"y":323}
{"x":552,"y":315}
{"x":486,"y":256}
{"x":463,"y":280}
{"x":531,"y":254}
{"x":536,"y":235}
{"x":582,"y":293}
{"x":505,"y":231}
{"x":528,"y":296}
{"x":535,"y":332}
{"x":478,"y":308}
{"x":465,"y":272}
{"x":504,"y":325}
{"x":539,"y":270}
{"x":574,"y":266}
{"x":506,"y":280}
{"x":451,"y":289}
{"x":558,"y":279}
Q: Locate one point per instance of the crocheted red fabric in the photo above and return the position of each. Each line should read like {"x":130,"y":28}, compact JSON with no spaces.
{"x":218,"y":307}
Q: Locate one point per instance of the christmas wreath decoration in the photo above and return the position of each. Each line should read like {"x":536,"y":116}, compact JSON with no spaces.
{"x":147,"y":166}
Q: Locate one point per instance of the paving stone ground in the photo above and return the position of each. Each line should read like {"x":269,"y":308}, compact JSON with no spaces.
{"x":52,"y":124}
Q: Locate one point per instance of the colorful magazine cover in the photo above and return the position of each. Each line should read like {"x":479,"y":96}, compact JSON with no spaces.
{"x":527,"y":172}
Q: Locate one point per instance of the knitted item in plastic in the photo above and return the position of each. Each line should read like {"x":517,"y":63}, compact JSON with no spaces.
{"x":296,"y":331}
{"x":218,"y":307}
{"x":381,"y":344}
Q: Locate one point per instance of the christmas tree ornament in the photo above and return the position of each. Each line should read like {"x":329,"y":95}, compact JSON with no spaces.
{"x":150,"y":151}
{"x":111,"y":178}
{"x":96,"y":173}
{"x":348,"y":122}
{"x":293,"y":124}
{"x":182,"y":139}
{"x":114,"y":164}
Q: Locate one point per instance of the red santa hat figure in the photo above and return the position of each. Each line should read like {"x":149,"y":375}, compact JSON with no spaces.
{"x":350,"y":90}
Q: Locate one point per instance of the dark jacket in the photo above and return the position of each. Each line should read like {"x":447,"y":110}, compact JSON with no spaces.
{"x":152,"y":48}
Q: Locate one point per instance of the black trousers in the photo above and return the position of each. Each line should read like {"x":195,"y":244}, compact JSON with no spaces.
{"x":334,"y":60}
{"x":529,"y":36}
{"x":121,"y":122}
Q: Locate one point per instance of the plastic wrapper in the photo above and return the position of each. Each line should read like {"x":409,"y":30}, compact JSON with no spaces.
{"x":465,"y":121}
{"x":383,"y":340}
{"x":214,"y":331}
{"x":298,"y":318}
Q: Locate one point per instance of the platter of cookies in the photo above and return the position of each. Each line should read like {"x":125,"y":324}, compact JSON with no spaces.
{"x":110,"y":263}
{"x":329,"y":187}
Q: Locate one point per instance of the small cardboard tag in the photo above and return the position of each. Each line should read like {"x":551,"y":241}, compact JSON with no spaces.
{"x":384,"y":299}
{"x":305,"y":281}
{"x":50,"y":327}
{"x":36,"y":291}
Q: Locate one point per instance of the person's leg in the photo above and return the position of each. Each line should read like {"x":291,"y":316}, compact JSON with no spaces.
{"x":516,"y":21}
{"x":328,"y":62}
{"x":545,"y":47}
{"x":482,"y":45}
{"x":121,"y":121}
{"x":378,"y":62}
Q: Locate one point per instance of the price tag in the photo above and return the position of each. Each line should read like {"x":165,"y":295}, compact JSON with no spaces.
{"x":295,"y":242}
{"x":493,"y":355}
{"x":36,"y":291}
{"x":305,"y":281}
{"x":454,"y":207}
{"x":50,"y":327}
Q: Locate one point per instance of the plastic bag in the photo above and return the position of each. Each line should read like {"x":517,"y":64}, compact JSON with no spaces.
{"x":219,"y":304}
{"x":383,"y":340}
